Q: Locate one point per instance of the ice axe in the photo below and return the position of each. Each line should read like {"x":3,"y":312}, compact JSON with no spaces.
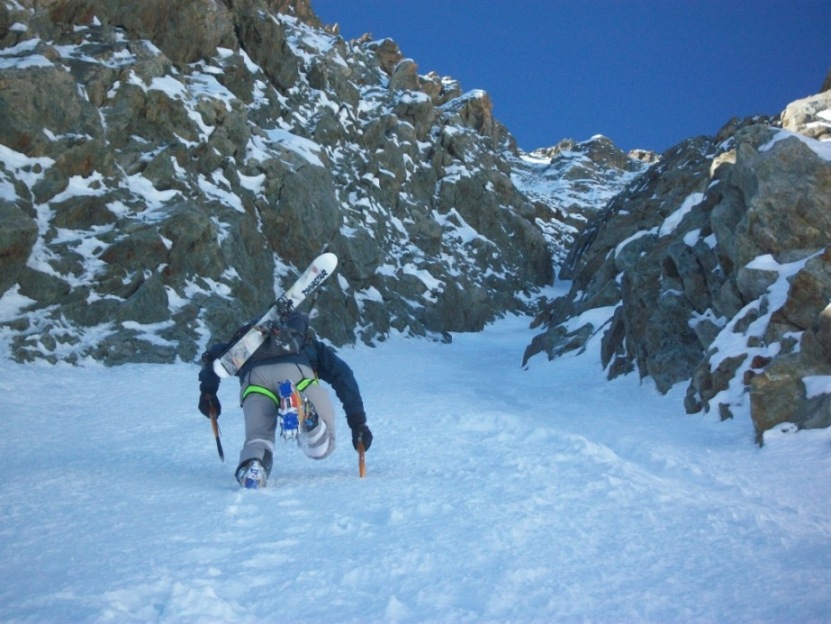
{"x":215,"y":427}
{"x":361,"y":458}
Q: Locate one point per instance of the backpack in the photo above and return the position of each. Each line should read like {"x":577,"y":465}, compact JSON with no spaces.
{"x":286,"y":336}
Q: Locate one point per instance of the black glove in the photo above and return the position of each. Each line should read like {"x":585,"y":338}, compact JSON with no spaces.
{"x":361,"y":432}
{"x":209,"y":383}
{"x":208,"y":400}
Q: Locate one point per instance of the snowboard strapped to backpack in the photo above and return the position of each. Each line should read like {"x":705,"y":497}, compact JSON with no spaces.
{"x":271,"y":324}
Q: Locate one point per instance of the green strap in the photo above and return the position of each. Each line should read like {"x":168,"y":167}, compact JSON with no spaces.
{"x":254,"y":389}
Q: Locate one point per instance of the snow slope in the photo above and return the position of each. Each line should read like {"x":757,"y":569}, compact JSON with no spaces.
{"x":493,"y":495}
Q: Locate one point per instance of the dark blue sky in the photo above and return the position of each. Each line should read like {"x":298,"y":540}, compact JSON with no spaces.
{"x":645,"y":73}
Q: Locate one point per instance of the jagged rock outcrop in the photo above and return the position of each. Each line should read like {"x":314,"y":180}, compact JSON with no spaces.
{"x":165,"y":168}
{"x":712,"y":269}
{"x":572,"y":181}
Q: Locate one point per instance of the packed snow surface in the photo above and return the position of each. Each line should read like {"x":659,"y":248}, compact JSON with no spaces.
{"x":493,"y":494}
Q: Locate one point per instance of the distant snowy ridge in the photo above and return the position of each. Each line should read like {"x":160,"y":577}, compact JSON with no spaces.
{"x":570,"y":182}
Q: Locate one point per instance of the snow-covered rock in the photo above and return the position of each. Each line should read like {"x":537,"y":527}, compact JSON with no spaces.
{"x":165,"y":170}
{"x":712,"y":269}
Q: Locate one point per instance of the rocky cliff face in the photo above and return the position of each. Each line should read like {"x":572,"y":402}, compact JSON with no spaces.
{"x":713,"y":269}
{"x":167,"y":166}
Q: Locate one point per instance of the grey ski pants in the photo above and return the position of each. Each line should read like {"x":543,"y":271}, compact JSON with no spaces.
{"x":260,"y":413}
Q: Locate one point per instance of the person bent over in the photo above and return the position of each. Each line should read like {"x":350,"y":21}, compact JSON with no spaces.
{"x":280,"y":389}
